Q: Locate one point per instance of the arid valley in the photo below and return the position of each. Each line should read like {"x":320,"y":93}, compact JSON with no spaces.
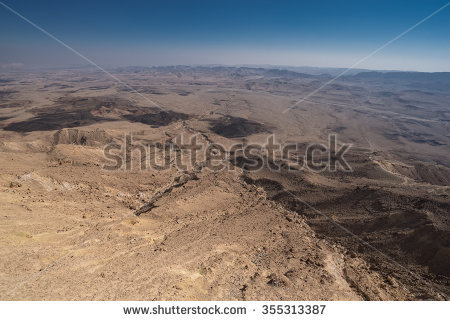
{"x":73,"y":230}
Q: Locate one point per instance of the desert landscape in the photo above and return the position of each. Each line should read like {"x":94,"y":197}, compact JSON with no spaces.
{"x":73,"y":230}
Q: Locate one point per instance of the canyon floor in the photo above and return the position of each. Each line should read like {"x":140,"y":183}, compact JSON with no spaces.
{"x":72,"y":230}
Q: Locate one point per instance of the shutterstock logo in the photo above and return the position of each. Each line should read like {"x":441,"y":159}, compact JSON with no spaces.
{"x":193,"y":152}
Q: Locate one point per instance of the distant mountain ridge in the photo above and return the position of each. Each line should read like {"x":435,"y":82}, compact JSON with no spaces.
{"x":435,"y":81}
{"x":439,"y":81}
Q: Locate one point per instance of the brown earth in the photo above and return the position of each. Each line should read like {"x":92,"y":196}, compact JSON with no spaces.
{"x":71,"y":230}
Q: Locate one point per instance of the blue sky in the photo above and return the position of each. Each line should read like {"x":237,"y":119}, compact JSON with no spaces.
{"x":298,"y":33}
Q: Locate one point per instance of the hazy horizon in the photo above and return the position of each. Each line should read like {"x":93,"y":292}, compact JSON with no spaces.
{"x":139,"y":33}
{"x":313,"y":70}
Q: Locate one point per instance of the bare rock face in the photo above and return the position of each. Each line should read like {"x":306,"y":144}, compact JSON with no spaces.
{"x":75,"y":136}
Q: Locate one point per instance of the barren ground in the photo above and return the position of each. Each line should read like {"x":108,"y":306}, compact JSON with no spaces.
{"x":69,"y":229}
